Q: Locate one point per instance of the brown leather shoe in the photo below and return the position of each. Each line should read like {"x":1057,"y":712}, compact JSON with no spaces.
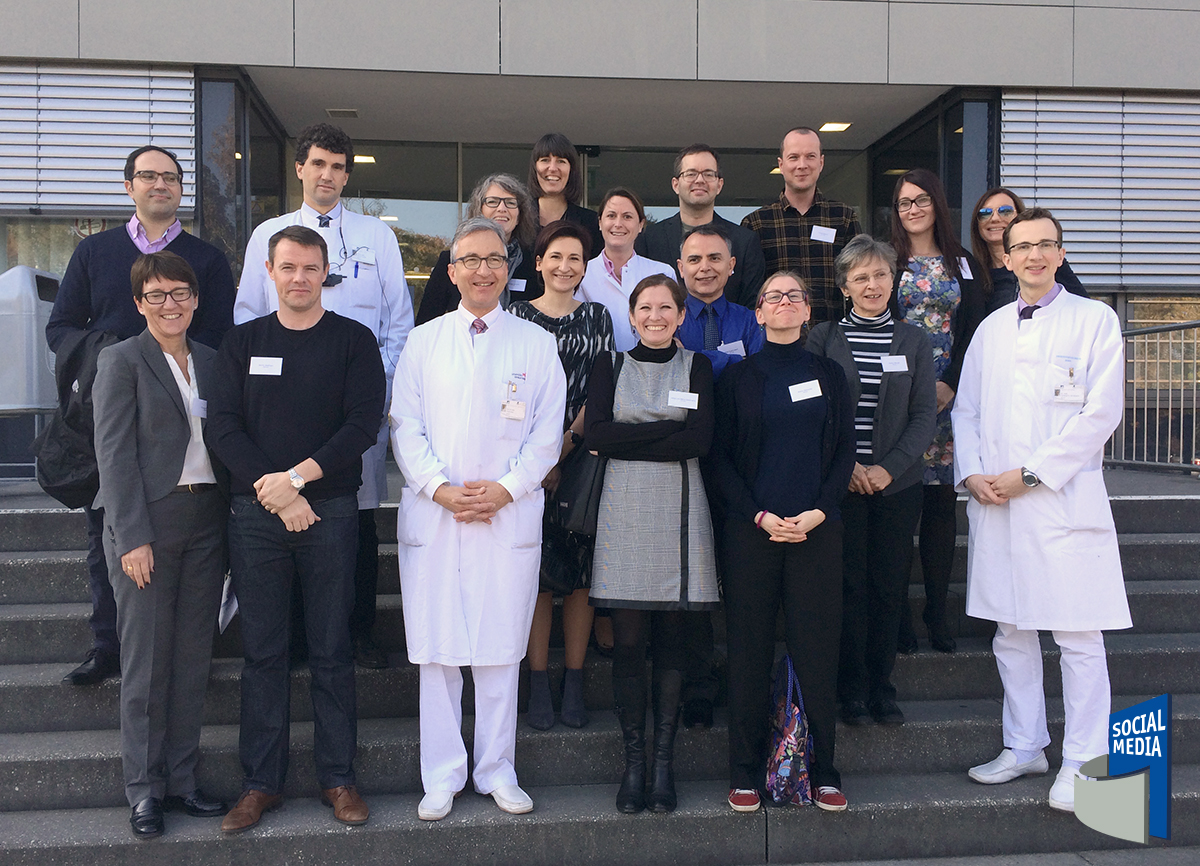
{"x":348,"y":807}
{"x":249,"y":809}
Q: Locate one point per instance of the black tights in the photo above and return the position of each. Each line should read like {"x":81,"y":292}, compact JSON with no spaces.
{"x":664,"y":630}
{"x":938,"y":534}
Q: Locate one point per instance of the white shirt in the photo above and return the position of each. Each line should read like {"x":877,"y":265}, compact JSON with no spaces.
{"x":196,"y":466}
{"x":600,"y":286}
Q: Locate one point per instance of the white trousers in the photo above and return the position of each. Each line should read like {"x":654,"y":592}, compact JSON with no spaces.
{"x":443,"y":752}
{"x":1086,"y":696}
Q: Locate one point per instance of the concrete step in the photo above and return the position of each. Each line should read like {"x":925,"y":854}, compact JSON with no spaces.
{"x":82,"y":769}
{"x":44,"y":529}
{"x":922,"y":815}
{"x":1167,"y":855}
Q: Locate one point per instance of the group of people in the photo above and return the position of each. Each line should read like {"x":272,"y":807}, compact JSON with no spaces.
{"x":777,"y":404}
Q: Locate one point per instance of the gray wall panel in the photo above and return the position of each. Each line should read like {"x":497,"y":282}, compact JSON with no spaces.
{"x":1136,"y":48}
{"x":46,"y":28}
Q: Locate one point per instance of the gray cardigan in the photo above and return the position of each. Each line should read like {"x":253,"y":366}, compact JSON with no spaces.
{"x":906,"y":418}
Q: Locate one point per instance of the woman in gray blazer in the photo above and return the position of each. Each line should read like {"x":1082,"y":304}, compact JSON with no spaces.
{"x":164,"y":539}
{"x":889,"y":368}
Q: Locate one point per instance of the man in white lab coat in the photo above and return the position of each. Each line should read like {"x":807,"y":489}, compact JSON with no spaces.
{"x":1040,"y":394}
{"x":365,"y":283}
{"x":476,"y":415}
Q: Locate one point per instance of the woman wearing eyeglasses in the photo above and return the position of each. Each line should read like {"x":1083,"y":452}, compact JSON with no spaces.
{"x":993,"y":212}
{"x":938,"y":288}
{"x":504,"y":200}
{"x":889,"y":368}
{"x":783,"y":454}
{"x":164,"y":539}
{"x":556,"y":184}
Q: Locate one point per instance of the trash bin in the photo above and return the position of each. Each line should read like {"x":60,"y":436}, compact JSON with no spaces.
{"x":26,"y":362}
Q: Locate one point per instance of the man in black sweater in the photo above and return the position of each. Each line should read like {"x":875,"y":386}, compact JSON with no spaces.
{"x":297,"y":398}
{"x":96,"y":295}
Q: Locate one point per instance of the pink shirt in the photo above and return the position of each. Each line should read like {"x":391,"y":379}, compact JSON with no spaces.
{"x":137,"y":233}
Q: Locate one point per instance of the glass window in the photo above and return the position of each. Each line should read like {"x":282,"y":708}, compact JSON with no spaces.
{"x":221,"y":148}
{"x":918,"y":149}
{"x":266,"y":171}
{"x":478,"y":161}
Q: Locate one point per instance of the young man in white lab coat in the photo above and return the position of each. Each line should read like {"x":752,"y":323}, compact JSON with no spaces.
{"x":1041,"y":392}
{"x":477,"y":409}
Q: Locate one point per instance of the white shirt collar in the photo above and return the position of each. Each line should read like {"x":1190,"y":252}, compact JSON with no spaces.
{"x":308,"y":215}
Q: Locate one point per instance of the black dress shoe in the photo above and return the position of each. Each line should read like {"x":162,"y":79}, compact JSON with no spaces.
{"x":367,"y":655}
{"x":854,"y":713}
{"x":887,"y":713}
{"x":197,"y":804}
{"x":96,"y":668}
{"x":907,"y":645}
{"x":146,"y":819}
{"x":698,"y":713}
{"x":941,"y":640}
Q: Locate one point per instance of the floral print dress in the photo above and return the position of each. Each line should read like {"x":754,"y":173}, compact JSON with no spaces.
{"x":928,"y":297}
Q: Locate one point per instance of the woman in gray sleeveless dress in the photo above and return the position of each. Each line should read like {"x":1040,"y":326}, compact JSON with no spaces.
{"x":650,"y":412}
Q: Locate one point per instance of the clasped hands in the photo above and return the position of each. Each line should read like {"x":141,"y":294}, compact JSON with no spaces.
{"x":869,"y":479}
{"x":996,"y":489}
{"x":474,"y":501}
{"x":792,"y":529}
{"x":278,"y":496}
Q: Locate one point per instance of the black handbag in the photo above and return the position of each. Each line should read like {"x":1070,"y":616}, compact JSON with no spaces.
{"x":566,"y":559}
{"x":577,"y":499}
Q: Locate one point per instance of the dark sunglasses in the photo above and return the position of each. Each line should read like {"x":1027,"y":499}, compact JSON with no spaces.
{"x":1005,"y":210}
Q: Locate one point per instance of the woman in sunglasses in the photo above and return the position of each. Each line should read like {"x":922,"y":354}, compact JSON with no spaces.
{"x":993,"y":212}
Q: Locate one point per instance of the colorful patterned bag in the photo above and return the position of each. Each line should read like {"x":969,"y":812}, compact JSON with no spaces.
{"x":791,"y":743}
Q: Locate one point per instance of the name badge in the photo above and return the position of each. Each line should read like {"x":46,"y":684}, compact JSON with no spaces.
{"x":824,"y":233}
{"x":964,"y":268}
{"x":513,"y":410}
{"x":199,"y":407}
{"x":364,"y":255}
{"x":895,"y":363}
{"x":1068,"y":394}
{"x":515,"y":285}
{"x":734,"y":348}
{"x":266,"y":366}
{"x":805,"y":390}
{"x":683,"y":399}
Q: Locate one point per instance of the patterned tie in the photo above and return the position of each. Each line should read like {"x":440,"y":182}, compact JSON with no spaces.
{"x":712,"y":335}
{"x":1027,"y":312}
{"x":478,"y":327}
{"x":322,"y":221}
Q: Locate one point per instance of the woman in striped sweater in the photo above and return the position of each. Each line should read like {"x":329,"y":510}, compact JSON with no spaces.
{"x":889,"y":370}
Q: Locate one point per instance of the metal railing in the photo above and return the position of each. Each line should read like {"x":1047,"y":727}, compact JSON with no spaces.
{"x":1162,"y":381}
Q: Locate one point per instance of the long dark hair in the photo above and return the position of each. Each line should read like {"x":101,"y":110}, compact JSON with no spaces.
{"x":943,"y":228}
{"x":556,"y":144}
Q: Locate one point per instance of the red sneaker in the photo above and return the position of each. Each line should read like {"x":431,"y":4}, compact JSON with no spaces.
{"x":830,"y":799}
{"x":743,"y":800}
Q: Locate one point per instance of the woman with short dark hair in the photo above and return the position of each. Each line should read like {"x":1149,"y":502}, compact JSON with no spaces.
{"x":556,"y":184}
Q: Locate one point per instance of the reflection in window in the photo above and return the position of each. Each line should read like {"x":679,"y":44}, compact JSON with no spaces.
{"x":222,"y":221}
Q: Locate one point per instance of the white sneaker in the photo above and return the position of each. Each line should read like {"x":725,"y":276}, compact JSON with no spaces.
{"x":435,"y":805}
{"x":1062,"y":792}
{"x":1005,"y":768}
{"x":511,"y":799}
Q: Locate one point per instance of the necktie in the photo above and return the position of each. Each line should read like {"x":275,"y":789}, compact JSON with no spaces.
{"x":478,"y":327}
{"x":712,"y":336}
{"x":1027,"y":312}
{"x":322,"y":221}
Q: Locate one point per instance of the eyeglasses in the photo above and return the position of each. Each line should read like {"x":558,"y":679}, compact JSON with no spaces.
{"x":495,"y":201}
{"x":865,"y":279}
{"x":691,"y":174}
{"x":777,"y":297}
{"x":170,"y":178}
{"x":1005,"y":210}
{"x":922,"y":200}
{"x":494,"y":262}
{"x":180,"y":295}
{"x":1044,"y":247}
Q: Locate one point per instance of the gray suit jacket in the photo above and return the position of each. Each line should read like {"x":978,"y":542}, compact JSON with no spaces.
{"x":142,"y":432}
{"x":906,"y":418}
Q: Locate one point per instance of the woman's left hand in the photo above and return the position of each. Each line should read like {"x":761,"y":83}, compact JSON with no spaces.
{"x":878,"y":478}
{"x":553,"y":477}
{"x":806,"y":521}
{"x":945,"y":395}
{"x":137,"y":565}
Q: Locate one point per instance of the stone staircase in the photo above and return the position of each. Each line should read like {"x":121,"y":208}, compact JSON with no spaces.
{"x":61,"y":799}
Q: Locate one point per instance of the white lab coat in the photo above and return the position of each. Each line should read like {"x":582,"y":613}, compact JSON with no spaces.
{"x":469,"y":589}
{"x":598,"y":286}
{"x":1047,"y":559}
{"x":373,"y":292}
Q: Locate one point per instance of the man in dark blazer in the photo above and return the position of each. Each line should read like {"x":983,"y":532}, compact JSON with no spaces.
{"x":697,"y":181}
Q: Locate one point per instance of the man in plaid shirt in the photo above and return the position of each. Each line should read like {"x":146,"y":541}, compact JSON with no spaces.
{"x":803,"y":231}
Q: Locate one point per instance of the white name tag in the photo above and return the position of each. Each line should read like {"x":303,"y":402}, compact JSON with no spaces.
{"x":734,"y":348}
{"x":1068,"y":394}
{"x":266,"y":366}
{"x":516,"y":285}
{"x":199,"y":407}
{"x":824,"y":233}
{"x":365,"y":255}
{"x":964,"y":268}
{"x":895,"y":363}
{"x":513,"y":410}
{"x":805,"y":390}
{"x":683,"y":400}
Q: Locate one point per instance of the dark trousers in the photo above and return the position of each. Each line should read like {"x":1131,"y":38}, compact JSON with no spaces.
{"x":700,"y":676}
{"x":807,"y":578}
{"x":877,"y":552}
{"x":266,"y":559}
{"x":366,"y":576}
{"x":104,"y":607}
{"x":939,"y":529}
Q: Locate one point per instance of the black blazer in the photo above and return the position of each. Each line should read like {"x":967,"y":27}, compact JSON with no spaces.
{"x":441,"y":295}
{"x":660,"y":241}
{"x":589,"y":219}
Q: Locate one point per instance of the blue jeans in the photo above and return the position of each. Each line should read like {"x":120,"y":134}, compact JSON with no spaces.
{"x":265,"y":559}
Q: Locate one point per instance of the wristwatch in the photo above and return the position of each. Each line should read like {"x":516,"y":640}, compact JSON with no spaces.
{"x":297,"y":481}
{"x":1029,"y":479}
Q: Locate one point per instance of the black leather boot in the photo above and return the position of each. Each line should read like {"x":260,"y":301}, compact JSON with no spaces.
{"x":667,"y":688}
{"x":629,"y":703}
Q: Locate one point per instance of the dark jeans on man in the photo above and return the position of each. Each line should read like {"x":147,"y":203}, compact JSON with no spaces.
{"x":806,"y":577}
{"x":366,"y":576}
{"x":104,"y":606}
{"x":265,"y":559}
{"x":877,"y":554}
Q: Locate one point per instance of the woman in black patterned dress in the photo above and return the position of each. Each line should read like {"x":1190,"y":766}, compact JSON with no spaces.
{"x":583,"y":330}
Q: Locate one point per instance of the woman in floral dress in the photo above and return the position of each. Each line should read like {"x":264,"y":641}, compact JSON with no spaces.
{"x":937,"y":290}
